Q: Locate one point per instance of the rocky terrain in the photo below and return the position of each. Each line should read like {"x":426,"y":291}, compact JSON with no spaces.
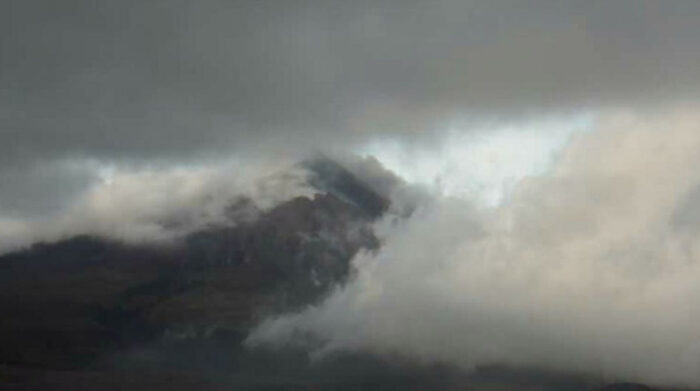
{"x":90,"y":313}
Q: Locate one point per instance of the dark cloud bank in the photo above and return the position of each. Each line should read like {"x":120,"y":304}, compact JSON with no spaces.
{"x":115,"y":114}
{"x":135,"y":79}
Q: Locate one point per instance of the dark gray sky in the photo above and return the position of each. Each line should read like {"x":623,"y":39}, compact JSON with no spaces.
{"x":177,"y":80}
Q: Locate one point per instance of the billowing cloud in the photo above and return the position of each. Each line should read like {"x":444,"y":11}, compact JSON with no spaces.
{"x":591,"y":267}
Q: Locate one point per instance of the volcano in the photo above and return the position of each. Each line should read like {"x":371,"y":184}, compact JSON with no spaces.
{"x":90,"y":312}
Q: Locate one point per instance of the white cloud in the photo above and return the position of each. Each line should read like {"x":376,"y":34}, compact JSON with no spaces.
{"x":480,"y":162}
{"x":582,"y":269}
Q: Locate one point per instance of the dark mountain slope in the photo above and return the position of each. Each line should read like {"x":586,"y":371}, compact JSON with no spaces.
{"x":71,"y":303}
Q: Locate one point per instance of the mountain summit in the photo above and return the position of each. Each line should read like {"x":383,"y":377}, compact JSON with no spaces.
{"x":90,"y":312}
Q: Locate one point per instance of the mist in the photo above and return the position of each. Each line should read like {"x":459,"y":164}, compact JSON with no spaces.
{"x":590,"y":267}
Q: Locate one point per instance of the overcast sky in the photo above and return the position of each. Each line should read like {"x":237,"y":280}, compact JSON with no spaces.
{"x":176,"y":79}
{"x":91,"y":86}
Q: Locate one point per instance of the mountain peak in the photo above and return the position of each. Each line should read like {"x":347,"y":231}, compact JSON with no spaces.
{"x":330,"y":176}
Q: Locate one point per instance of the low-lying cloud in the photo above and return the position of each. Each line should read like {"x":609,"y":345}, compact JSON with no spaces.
{"x":139,"y":204}
{"x":591,"y":267}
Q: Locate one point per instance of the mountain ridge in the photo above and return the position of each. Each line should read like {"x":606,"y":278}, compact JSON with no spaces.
{"x":95,"y":312}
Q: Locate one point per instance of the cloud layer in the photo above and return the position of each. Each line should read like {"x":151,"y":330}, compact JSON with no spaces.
{"x":591,"y":267}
